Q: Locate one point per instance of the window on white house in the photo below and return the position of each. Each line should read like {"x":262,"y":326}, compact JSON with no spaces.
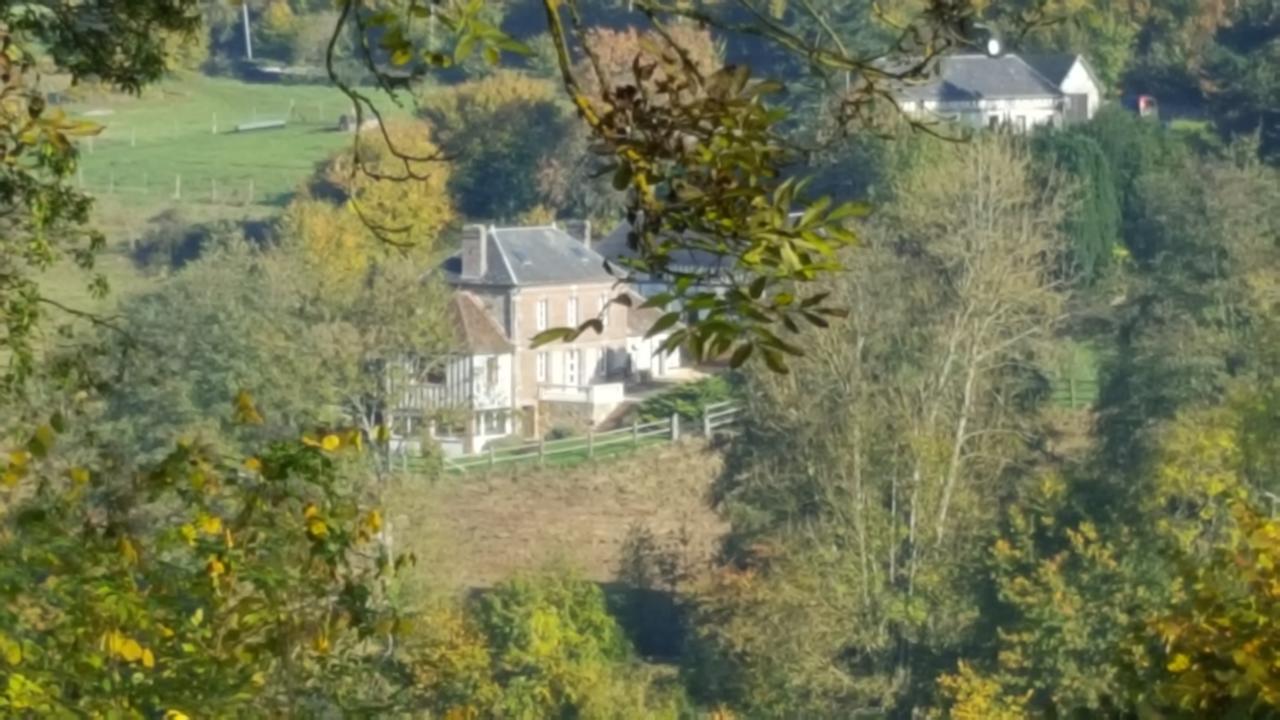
{"x":542,"y":315}
{"x":542,"y":367}
{"x":495,"y":422}
{"x":491,"y":372}
{"x":571,"y":367}
{"x":993,"y":122}
{"x":573,"y":312}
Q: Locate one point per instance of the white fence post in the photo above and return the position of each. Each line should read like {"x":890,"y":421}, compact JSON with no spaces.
{"x":635,"y":432}
{"x":706,"y":422}
{"x":675,"y":427}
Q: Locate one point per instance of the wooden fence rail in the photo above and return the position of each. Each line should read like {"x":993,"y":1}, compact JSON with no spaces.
{"x":715,"y":418}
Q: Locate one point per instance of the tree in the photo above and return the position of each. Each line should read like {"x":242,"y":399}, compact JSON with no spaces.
{"x":1094,"y":224}
{"x":400,"y":196}
{"x":44,"y":217}
{"x":503,"y":130}
{"x":537,"y":646}
{"x":205,"y":583}
{"x":918,"y":407}
{"x":289,"y":325}
{"x":1160,"y":608}
{"x":1242,"y":75}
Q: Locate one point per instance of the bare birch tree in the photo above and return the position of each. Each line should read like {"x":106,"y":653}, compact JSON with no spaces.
{"x":879,"y":464}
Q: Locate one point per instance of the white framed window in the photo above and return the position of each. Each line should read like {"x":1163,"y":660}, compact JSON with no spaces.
{"x":572,"y":312}
{"x":602,"y":304}
{"x":542,"y":314}
{"x":491,"y":372}
{"x":541,"y":369}
{"x":571,"y":367}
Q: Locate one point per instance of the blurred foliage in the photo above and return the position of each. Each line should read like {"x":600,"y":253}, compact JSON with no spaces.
{"x":158,"y":592}
{"x":689,"y":400}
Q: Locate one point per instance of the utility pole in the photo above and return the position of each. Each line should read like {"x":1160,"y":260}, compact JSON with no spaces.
{"x":248,"y":41}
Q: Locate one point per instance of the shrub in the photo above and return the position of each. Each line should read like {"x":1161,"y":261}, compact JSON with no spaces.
{"x":689,"y":400}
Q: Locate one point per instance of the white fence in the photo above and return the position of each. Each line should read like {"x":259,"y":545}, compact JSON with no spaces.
{"x":715,"y":418}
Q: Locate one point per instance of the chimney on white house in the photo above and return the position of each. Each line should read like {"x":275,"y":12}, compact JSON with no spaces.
{"x":475,"y":252}
{"x":579,"y":230}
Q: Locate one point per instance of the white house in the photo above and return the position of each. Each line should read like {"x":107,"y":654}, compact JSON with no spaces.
{"x":511,"y":284}
{"x":1010,"y":91}
{"x":464,"y":399}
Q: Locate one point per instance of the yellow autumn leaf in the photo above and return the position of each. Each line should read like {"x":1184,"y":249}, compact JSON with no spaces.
{"x":12,"y":650}
{"x":310,"y":441}
{"x":10,"y":478}
{"x":1179,"y":663}
{"x":373,"y":521}
{"x":166,"y":632}
{"x":331,"y":443}
{"x":130,"y":650}
{"x":210,"y":524}
{"x":148,"y":659}
{"x":128,"y":551}
{"x":253,"y":464}
{"x":215,"y":567}
{"x":175,"y":715}
{"x":317,"y":528}
{"x":310,"y":511}
{"x":79,"y":475}
{"x":19,"y":458}
{"x":258,"y":679}
{"x":321,"y":643}
{"x":246,"y":413}
{"x":188,"y":532}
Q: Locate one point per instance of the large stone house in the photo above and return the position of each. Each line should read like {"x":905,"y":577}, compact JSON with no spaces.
{"x":1010,"y":91}
{"x":510,"y":284}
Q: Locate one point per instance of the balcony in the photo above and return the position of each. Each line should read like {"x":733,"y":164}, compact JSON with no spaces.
{"x":602,"y":394}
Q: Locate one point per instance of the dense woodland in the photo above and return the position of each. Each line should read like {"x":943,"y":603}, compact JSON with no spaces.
{"x":193,"y":516}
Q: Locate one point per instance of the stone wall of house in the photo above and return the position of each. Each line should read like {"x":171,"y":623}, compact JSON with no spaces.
{"x":591,"y":346}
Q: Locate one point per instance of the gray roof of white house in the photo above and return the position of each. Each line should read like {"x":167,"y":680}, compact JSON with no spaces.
{"x":518,"y":257}
{"x":962,"y":78}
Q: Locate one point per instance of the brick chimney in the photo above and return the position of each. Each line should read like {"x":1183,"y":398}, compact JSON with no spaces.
{"x":475,"y":252}
{"x":579,"y":230}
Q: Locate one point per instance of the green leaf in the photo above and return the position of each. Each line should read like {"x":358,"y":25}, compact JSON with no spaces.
{"x":551,"y":335}
{"x":741,"y":355}
{"x":492,"y":55}
{"x":622,"y":176}
{"x":593,"y":324}
{"x":756,"y":291}
{"x":463,"y":49}
{"x":774,"y":360}
{"x":663,"y":323}
{"x":41,"y":441}
{"x":660,"y":300}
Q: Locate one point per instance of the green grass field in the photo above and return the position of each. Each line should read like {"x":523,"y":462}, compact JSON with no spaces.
{"x":149,"y":142}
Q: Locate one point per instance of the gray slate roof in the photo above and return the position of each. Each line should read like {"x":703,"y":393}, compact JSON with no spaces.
{"x":1053,"y":66}
{"x":962,"y":78}
{"x":525,"y":256}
